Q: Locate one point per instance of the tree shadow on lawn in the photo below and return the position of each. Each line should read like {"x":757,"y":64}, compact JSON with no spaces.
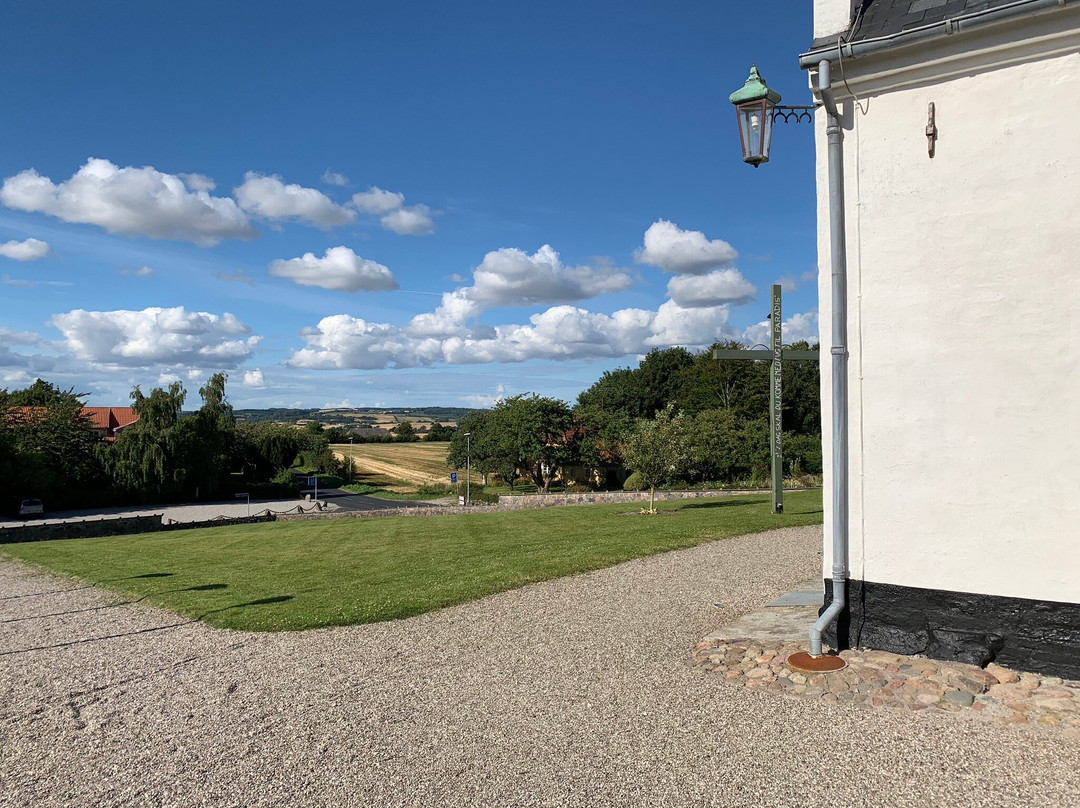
{"x":260,"y":602}
{"x":733,"y":503}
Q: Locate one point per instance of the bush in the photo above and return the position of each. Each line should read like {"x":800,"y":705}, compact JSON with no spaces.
{"x":284,"y":477}
{"x":362,"y":488}
{"x":484,"y":497}
{"x":271,"y":490}
{"x":634,"y":483}
{"x":578,"y":488}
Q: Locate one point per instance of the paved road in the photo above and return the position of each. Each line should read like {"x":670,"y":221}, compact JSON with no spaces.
{"x":346,"y":500}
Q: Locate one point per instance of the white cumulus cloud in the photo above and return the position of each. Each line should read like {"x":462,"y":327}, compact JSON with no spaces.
{"x":254,"y":378}
{"x":130,"y":201}
{"x":512,"y":277}
{"x":685,"y":252}
{"x":559,"y":333}
{"x":340,"y":268}
{"x":198,"y":182}
{"x":29,"y":250}
{"x":138,"y":272}
{"x":376,"y":201}
{"x":333,"y":178}
{"x":270,"y":198}
{"x":798,"y":328}
{"x":719,"y":287}
{"x":156,"y":336}
{"x":412,"y":220}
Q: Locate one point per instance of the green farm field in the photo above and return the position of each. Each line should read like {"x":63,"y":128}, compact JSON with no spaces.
{"x":308,"y":574}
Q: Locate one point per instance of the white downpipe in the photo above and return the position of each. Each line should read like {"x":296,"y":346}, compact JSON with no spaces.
{"x":839,"y":353}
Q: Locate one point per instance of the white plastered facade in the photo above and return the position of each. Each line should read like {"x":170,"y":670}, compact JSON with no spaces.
{"x":964,"y":311}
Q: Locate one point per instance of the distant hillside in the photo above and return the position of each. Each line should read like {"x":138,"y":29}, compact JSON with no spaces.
{"x":361,"y":416}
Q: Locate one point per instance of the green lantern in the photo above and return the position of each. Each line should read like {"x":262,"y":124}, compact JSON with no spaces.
{"x":754,"y":103}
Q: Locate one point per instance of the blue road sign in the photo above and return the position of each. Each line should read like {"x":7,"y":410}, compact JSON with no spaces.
{"x":312,"y":480}
{"x":453,"y":476}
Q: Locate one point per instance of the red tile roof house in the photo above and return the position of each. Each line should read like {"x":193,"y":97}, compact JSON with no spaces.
{"x":107,"y":422}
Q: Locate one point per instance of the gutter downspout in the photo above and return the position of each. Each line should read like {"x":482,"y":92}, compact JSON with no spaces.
{"x":838,"y":254}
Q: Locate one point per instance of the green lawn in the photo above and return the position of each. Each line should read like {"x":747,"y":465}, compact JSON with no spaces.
{"x":297,"y":575}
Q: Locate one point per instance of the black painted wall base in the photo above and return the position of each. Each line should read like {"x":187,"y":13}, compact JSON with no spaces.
{"x":1032,"y":635}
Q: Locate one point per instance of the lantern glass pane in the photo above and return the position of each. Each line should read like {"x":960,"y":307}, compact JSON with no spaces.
{"x":766,"y":131}
{"x":750,"y":129}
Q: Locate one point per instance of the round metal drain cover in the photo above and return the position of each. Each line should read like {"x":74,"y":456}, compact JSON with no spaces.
{"x":802,"y":661}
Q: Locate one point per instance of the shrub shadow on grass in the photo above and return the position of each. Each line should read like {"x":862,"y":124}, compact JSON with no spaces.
{"x":259,"y":602}
{"x":733,"y":503}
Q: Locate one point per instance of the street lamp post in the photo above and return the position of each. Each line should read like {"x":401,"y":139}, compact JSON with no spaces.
{"x":468,"y":467}
{"x":351,"y":462}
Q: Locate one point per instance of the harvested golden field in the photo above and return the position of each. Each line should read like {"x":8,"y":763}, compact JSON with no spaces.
{"x":398,"y":466}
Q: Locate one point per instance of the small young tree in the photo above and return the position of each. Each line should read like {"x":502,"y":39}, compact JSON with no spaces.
{"x":659,"y":449}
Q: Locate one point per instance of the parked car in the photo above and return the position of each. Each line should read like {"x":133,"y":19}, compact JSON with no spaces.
{"x":30,"y":508}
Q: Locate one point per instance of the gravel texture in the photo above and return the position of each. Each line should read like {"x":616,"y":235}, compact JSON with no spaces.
{"x":575,"y":692}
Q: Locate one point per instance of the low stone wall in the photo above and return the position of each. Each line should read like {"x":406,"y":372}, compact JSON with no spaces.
{"x":120,"y":526}
{"x":517,"y":503}
{"x":83,"y":529}
{"x":222,"y":520}
{"x":432,"y":510}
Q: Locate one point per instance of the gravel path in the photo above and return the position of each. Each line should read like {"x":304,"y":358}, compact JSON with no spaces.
{"x":575,"y":692}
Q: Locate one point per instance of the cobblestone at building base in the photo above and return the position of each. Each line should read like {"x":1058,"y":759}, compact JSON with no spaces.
{"x":882,"y":680}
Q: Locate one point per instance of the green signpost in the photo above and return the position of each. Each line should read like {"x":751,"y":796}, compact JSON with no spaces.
{"x":777,"y":355}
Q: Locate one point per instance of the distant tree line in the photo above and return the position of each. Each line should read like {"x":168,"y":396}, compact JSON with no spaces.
{"x":49,"y":449}
{"x":677,"y":417}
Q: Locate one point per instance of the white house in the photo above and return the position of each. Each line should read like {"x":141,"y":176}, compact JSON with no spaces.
{"x":961,"y":178}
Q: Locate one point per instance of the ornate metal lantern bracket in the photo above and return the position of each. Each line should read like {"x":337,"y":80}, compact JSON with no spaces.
{"x":794,"y":114}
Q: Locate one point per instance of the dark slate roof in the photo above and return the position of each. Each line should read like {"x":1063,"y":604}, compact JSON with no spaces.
{"x":885,"y":17}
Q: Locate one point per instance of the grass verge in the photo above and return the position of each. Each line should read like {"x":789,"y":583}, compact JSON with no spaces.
{"x":298,"y":575}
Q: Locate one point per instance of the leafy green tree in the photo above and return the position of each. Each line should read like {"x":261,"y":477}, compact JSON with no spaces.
{"x":151,"y":457}
{"x":601,"y":437}
{"x":268,"y":447}
{"x":49,"y":448}
{"x":738,"y":386}
{"x":215,"y":449}
{"x":659,"y":376}
{"x":614,"y":393}
{"x":405,"y":433}
{"x":478,"y":439}
{"x":659,"y":449}
{"x":439,"y":432}
{"x":537,"y":432}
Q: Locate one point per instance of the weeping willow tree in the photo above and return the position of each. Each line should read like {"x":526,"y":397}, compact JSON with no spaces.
{"x":151,"y":456}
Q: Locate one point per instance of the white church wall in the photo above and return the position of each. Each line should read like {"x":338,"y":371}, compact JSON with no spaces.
{"x":964,"y":331}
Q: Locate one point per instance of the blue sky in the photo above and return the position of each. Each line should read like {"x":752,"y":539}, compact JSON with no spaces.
{"x":394,"y":204}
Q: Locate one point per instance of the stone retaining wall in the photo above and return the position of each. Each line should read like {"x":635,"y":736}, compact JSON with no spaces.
{"x":84,"y":529}
{"x":433,"y":510}
{"x":516,"y":503}
{"x":120,"y":526}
